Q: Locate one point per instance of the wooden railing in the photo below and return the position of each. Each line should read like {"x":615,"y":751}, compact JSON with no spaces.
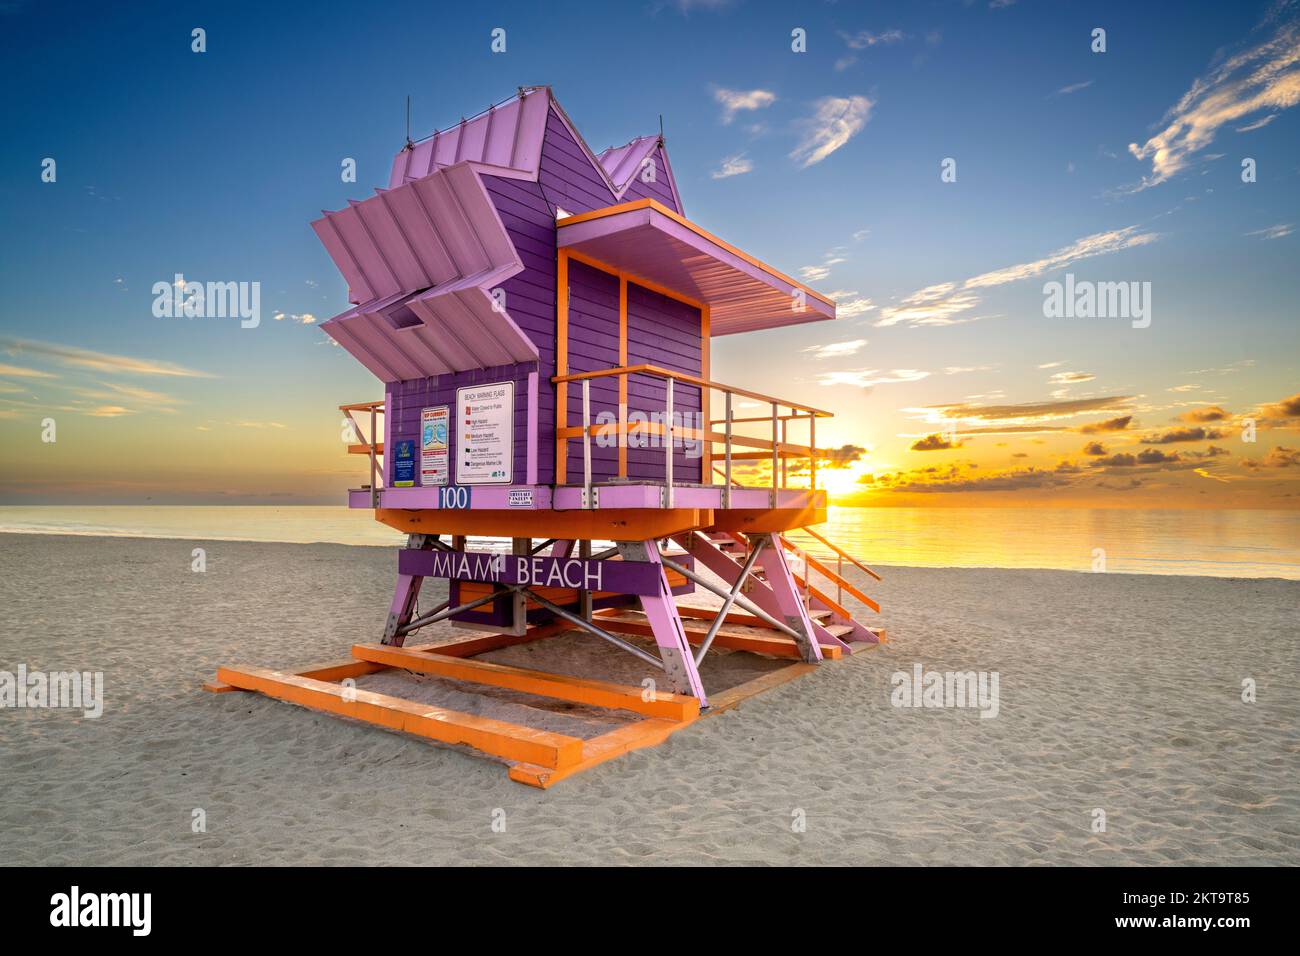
{"x":777,"y":448}
{"x":371,"y":443}
{"x":836,"y":577}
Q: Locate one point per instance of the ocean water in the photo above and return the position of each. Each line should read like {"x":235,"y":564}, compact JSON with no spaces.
{"x":1239,"y":544}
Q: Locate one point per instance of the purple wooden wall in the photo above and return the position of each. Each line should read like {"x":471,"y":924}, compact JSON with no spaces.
{"x":406,"y":399}
{"x":660,"y":190}
{"x":593,"y":345}
{"x":567,"y":177}
{"x":661,"y":331}
{"x":664,"y":332}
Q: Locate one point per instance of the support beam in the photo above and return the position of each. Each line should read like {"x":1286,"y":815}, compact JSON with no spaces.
{"x":787,"y":596}
{"x":666,"y":625}
{"x":729,"y":600}
{"x":406,"y":594}
{"x":496,"y":737}
{"x":579,"y":690}
{"x":753,"y":640}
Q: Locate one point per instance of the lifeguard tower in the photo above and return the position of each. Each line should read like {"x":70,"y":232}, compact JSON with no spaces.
{"x":541,"y":319}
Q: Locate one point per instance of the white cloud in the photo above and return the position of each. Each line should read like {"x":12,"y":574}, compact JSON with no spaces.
{"x":1071,"y":378}
{"x":736,"y":165}
{"x":1073,"y":88}
{"x":945,"y":303}
{"x":1281,"y":230}
{"x":837,"y":120}
{"x":819,"y":272}
{"x":836,"y":349}
{"x":867,"y":377}
{"x":96,"y":361}
{"x":865,"y":39}
{"x":849,"y":304}
{"x":733,"y":101}
{"x":1263,"y":77}
{"x":1098,"y":244}
{"x":1258,"y":124}
{"x":853,"y":307}
{"x":15,"y":371}
{"x":934,"y":305}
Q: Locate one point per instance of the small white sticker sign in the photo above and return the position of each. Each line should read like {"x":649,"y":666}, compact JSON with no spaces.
{"x":520,"y":498}
{"x":485,"y":434}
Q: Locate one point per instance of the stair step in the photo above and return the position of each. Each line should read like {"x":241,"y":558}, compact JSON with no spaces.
{"x":757,"y":639}
{"x":838,"y":630}
{"x":741,"y":617}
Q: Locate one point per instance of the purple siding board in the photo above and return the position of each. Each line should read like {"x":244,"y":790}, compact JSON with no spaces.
{"x":660,"y":190}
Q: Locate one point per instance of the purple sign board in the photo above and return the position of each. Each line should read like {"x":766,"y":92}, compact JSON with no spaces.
{"x":536,"y":571}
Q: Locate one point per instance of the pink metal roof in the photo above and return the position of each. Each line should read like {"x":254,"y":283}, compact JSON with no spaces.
{"x":508,"y":135}
{"x":622,"y":162}
{"x":645,"y":238}
{"x":420,"y":261}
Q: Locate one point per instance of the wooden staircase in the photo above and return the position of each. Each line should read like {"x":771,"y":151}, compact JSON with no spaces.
{"x":740,"y":632}
{"x":827,"y":612}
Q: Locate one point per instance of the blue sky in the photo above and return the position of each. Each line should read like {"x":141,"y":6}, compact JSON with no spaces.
{"x":213,"y":164}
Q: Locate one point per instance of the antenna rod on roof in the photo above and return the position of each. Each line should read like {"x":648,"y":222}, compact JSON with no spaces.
{"x":409,"y":144}
{"x":661,"y":129}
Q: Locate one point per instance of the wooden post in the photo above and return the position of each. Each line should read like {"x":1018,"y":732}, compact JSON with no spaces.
{"x":726,"y":488}
{"x":374,"y":490}
{"x":812,"y":450}
{"x":668,"y":427}
{"x":405,"y":595}
{"x":561,"y":365}
{"x":584,"y":595}
{"x":776,"y":454}
{"x":586,"y":443}
{"x":785,"y":437}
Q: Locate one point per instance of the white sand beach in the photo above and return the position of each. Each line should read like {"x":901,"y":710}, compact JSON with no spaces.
{"x":1118,"y":692}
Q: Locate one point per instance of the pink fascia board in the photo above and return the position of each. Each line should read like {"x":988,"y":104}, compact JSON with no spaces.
{"x":569,"y":497}
{"x":672,"y":180}
{"x":742,"y":296}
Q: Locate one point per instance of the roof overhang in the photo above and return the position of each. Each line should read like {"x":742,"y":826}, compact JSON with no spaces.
{"x":646,"y":239}
{"x":421,"y":261}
